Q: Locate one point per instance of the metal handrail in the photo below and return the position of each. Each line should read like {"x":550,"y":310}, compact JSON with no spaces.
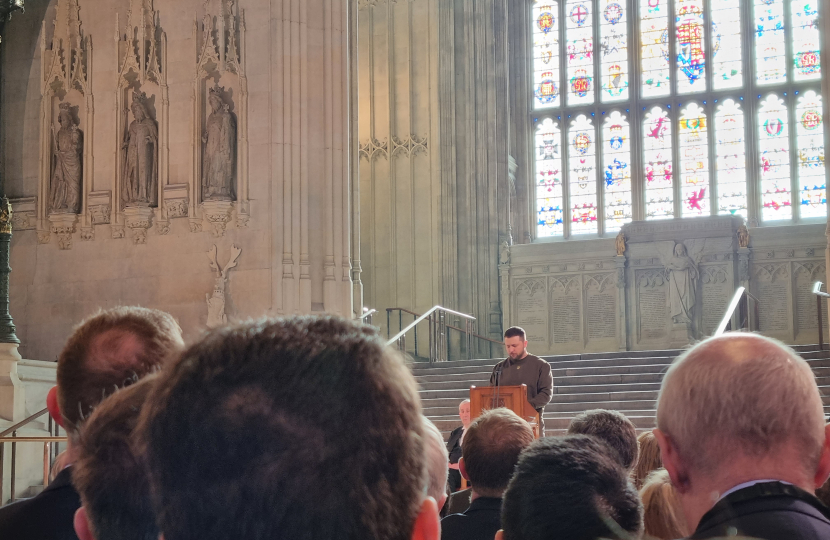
{"x":50,"y":449}
{"x":368,"y":314}
{"x":819,"y":295}
{"x":741,"y":294}
{"x":22,"y":423}
{"x":424,"y":317}
{"x":436,"y":317}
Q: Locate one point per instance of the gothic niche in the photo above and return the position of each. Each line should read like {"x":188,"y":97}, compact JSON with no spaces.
{"x":67,"y":164}
{"x":139,"y":157}
{"x":219,"y":152}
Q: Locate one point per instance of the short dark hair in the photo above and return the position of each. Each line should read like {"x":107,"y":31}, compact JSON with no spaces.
{"x":301,"y":428}
{"x":571,"y":485}
{"x":109,"y":475}
{"x":515,"y":331}
{"x":614,"y":428}
{"x":110,"y":350}
{"x":491,"y":449}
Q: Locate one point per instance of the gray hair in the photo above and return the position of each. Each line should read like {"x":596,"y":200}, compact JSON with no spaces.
{"x":740,"y":395}
{"x":436,"y":462}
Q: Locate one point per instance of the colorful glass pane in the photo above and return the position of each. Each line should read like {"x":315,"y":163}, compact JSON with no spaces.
{"x":773,"y":144}
{"x":809,"y":133}
{"x":616,"y":162}
{"x":657,"y":160}
{"x":579,"y":36}
{"x":806,"y":39}
{"x":727,"y":64}
{"x":582,"y":151}
{"x":694,"y":161}
{"x":691,"y":46}
{"x":770,"y":45}
{"x":549,"y":203}
{"x":654,"y":35}
{"x":731,"y":159}
{"x":614,"y":49}
{"x":546,"y":76}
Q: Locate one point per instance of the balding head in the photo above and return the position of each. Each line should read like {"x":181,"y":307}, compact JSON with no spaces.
{"x":741,"y":396}
{"x":437,"y":459}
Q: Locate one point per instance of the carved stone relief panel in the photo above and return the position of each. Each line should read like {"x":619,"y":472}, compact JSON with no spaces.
{"x":566,"y":311}
{"x":806,"y":316}
{"x":601,"y":310}
{"x":532,"y":310}
{"x":652,"y":294}
{"x":772,"y":286}
{"x":716,"y":291}
{"x":24,"y":213}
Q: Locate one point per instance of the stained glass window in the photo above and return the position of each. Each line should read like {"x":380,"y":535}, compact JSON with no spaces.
{"x":657,"y":164}
{"x":809,"y":137}
{"x":549,"y":201}
{"x":691,"y":47}
{"x":616,"y":162}
{"x":582,"y":151}
{"x":694,"y":161}
{"x":773,"y":144}
{"x":654,"y":32}
{"x":614,"y":50}
{"x":579,"y":56}
{"x":546,"y":78}
{"x":727,"y":65}
{"x":806,"y":39}
{"x":770,"y":45}
{"x":731,"y":159}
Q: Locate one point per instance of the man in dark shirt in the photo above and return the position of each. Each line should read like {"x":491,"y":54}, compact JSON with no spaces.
{"x":522,"y":368}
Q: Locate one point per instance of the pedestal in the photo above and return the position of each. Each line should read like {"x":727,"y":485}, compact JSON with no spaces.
{"x":139,"y":220}
{"x":218,"y":214}
{"x":63,"y":225}
{"x":12,"y":395}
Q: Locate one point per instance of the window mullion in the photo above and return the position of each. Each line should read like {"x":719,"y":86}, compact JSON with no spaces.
{"x":598,"y":105}
{"x":750,"y":108}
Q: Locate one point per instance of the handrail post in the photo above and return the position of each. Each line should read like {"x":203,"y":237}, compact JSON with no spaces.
{"x":2,"y":468}
{"x":416,"y":336}
{"x":820,"y":324}
{"x":388,"y":323}
{"x":431,"y":334}
{"x":13,"y":467}
{"x":443,"y":336}
{"x":46,"y":466}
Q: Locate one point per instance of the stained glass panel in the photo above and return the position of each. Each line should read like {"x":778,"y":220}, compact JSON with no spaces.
{"x":731,"y":159}
{"x":806,"y":39}
{"x":657,"y":159}
{"x":579,"y":36}
{"x":582,"y":151}
{"x":654,"y":35}
{"x":691,"y":46}
{"x":770,"y":47}
{"x":614,"y":49}
{"x":773,"y":144}
{"x":694,"y":161}
{"x":727,"y":64}
{"x":546,"y":76}
{"x":616,"y":162}
{"x":549,"y":203}
{"x":809,"y":134}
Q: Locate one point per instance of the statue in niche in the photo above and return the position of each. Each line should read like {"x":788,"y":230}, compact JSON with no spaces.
{"x":65,"y":190}
{"x":504,"y":253}
{"x":141,"y":151}
{"x":218,"y":158}
{"x":683,"y":275}
{"x":216,"y":301}
{"x":743,"y":236}
{"x":619,"y":243}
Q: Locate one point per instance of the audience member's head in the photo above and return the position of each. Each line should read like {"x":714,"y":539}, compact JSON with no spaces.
{"x":649,"y":457}
{"x":737,"y":408}
{"x":110,"y":475}
{"x":492,"y":445}
{"x":303,"y":428}
{"x":614,"y":428}
{"x":60,"y":462}
{"x":108,"y":351}
{"x":464,"y":413}
{"x":662,"y":514}
{"x":437,"y":459}
{"x":573,"y":486}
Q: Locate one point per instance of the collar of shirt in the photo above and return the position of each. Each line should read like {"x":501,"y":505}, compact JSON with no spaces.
{"x":749,"y":484}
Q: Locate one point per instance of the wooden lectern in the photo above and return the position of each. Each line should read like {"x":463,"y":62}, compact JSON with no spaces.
{"x":509,"y":397}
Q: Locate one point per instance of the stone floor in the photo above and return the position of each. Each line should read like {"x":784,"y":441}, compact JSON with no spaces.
{"x":627,"y":382}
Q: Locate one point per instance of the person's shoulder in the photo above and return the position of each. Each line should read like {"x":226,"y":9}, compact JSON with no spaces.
{"x":49,"y":515}
{"x":536,"y":360}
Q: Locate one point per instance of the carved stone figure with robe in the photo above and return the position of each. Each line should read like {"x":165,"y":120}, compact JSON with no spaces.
{"x":683,"y":275}
{"x":141,"y":150}
{"x":65,"y":189}
{"x":219,"y":156}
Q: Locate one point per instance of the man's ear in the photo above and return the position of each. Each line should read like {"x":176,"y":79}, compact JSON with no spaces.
{"x":823,"y":470}
{"x":427,"y":524}
{"x":672,"y":462}
{"x":462,"y":468}
{"x":81,"y":524}
{"x":499,"y":535}
{"x":54,"y":408}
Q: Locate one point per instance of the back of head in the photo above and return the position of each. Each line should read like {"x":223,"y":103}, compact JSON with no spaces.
{"x":614,"y":428}
{"x":570,"y":488}
{"x":110,"y":350}
{"x":741,"y":396}
{"x":648,"y":458}
{"x":662,"y":513}
{"x":491,"y":449}
{"x":109,"y":475}
{"x":437,"y":459}
{"x":302,"y":428}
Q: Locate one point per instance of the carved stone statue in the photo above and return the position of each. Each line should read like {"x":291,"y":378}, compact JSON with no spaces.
{"x":504,"y":253}
{"x":6,"y":216}
{"x":216,"y":301}
{"x":683,"y":275}
{"x":620,"y":244}
{"x":219,"y":157}
{"x":743,"y":236}
{"x":140,"y":151}
{"x":65,"y":190}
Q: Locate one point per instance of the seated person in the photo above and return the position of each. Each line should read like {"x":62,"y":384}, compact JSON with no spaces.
{"x":648,"y":458}
{"x":436,"y":454}
{"x":662,"y":514}
{"x":454,"y":445}
{"x":615,"y":430}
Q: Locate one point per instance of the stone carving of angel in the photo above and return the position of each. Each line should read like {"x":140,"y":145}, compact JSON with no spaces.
{"x":682,"y":275}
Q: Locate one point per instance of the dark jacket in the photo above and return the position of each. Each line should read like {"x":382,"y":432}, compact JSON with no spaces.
{"x":454,"y":444}
{"x":480,"y":522}
{"x":530,"y":370}
{"x":771,"y":511}
{"x":49,"y":516}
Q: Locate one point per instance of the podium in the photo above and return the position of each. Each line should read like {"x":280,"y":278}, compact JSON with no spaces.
{"x":509,"y":397}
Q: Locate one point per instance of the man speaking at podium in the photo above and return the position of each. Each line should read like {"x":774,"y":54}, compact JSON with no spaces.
{"x":522,"y":368}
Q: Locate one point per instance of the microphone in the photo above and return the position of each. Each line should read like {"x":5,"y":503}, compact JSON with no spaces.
{"x":497,"y":395}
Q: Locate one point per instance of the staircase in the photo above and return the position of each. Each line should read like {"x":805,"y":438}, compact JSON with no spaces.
{"x":627,"y":382}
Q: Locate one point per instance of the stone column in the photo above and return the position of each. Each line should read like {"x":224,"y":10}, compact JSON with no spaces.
{"x":622,"y":330}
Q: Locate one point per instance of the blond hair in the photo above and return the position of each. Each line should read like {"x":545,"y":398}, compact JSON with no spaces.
{"x":649,"y":457}
{"x":662,"y":514}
